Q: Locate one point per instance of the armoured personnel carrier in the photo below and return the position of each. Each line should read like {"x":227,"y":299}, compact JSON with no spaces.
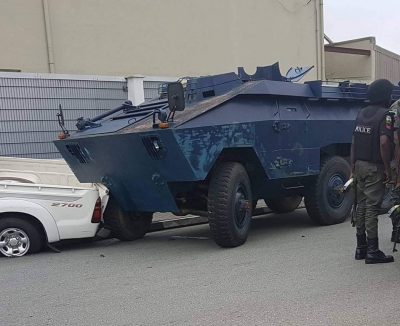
{"x":217,"y":144}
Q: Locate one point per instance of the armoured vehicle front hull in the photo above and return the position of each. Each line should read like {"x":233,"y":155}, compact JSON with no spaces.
{"x":273,"y":138}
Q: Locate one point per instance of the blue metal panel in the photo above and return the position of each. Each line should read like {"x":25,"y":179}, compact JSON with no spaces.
{"x":269,"y":87}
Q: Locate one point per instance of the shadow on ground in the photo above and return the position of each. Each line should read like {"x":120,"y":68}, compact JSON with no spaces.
{"x":262,"y":227}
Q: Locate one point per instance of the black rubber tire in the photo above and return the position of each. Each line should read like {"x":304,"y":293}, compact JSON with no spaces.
{"x":126,"y":226}
{"x":35,"y":235}
{"x":224,"y":184}
{"x":283,"y":205}
{"x":316,"y":200}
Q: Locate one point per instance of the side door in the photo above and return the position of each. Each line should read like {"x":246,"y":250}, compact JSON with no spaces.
{"x":293,"y":155}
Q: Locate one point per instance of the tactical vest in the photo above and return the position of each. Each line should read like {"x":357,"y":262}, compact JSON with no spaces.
{"x":367,"y":136}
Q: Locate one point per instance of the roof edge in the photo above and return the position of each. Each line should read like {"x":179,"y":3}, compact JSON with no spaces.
{"x":370,"y":38}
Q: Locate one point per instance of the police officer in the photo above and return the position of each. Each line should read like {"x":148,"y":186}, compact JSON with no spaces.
{"x":395,"y":109}
{"x":371,"y":153}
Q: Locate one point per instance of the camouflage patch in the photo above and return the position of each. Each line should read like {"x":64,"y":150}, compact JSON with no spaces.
{"x":395,"y":108}
{"x":396,"y":121}
{"x":389,"y":122}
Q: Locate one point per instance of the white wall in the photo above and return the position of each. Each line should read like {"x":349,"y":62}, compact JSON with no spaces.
{"x":380,"y":64}
{"x":343,"y":66}
{"x":159,"y":37}
{"x":22,"y":36}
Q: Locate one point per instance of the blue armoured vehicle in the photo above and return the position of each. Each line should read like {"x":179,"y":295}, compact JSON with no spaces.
{"x":217,"y":144}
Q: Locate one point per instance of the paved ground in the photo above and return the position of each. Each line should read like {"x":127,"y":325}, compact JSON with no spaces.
{"x":288,"y":273}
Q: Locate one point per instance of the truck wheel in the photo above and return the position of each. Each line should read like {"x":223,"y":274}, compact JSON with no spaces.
{"x":126,"y":226}
{"x":229,"y":204}
{"x":324,"y":202}
{"x":283,"y":205}
{"x":19,"y":237}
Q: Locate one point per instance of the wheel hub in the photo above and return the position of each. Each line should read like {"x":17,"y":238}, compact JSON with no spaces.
{"x":242,"y":206}
{"x":334,"y":193}
{"x":14,"y":242}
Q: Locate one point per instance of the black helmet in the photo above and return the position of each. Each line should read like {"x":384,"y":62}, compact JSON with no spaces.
{"x":380,"y":91}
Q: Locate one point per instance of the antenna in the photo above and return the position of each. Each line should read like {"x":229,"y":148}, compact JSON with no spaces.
{"x":61,"y":122}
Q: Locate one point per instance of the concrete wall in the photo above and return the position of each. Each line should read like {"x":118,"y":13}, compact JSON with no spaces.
{"x":380,"y":64}
{"x":343,"y":66}
{"x":22,"y":36}
{"x":159,"y":37}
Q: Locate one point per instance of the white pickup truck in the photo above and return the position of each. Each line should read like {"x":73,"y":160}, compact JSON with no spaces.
{"x":42,"y":202}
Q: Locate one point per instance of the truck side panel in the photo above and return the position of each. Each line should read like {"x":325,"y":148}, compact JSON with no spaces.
{"x":65,"y":213}
{"x":8,"y":205}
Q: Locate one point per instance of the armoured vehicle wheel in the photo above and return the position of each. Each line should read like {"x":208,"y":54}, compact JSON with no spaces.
{"x":229,"y":204}
{"x":283,"y":205}
{"x":126,"y":226}
{"x":19,"y":237}
{"x":324,"y":201}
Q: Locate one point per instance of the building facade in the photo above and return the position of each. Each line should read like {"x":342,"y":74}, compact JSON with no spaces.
{"x":361,"y":60}
{"x":159,"y":37}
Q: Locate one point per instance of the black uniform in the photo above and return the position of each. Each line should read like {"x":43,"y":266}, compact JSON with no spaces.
{"x":372,"y":122}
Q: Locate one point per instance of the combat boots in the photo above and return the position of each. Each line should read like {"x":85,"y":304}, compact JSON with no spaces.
{"x":395,"y":233}
{"x":361,"y":249}
{"x":395,"y":236}
{"x":374,"y":255}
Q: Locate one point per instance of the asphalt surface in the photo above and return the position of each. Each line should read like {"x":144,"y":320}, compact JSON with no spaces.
{"x":288,"y":273}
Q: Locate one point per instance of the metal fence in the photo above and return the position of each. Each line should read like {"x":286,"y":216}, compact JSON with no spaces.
{"x":29,"y":104}
{"x":151,"y":89}
{"x":152,"y":86}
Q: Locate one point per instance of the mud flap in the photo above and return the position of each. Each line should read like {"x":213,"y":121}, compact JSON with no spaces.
{"x":53,"y":248}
